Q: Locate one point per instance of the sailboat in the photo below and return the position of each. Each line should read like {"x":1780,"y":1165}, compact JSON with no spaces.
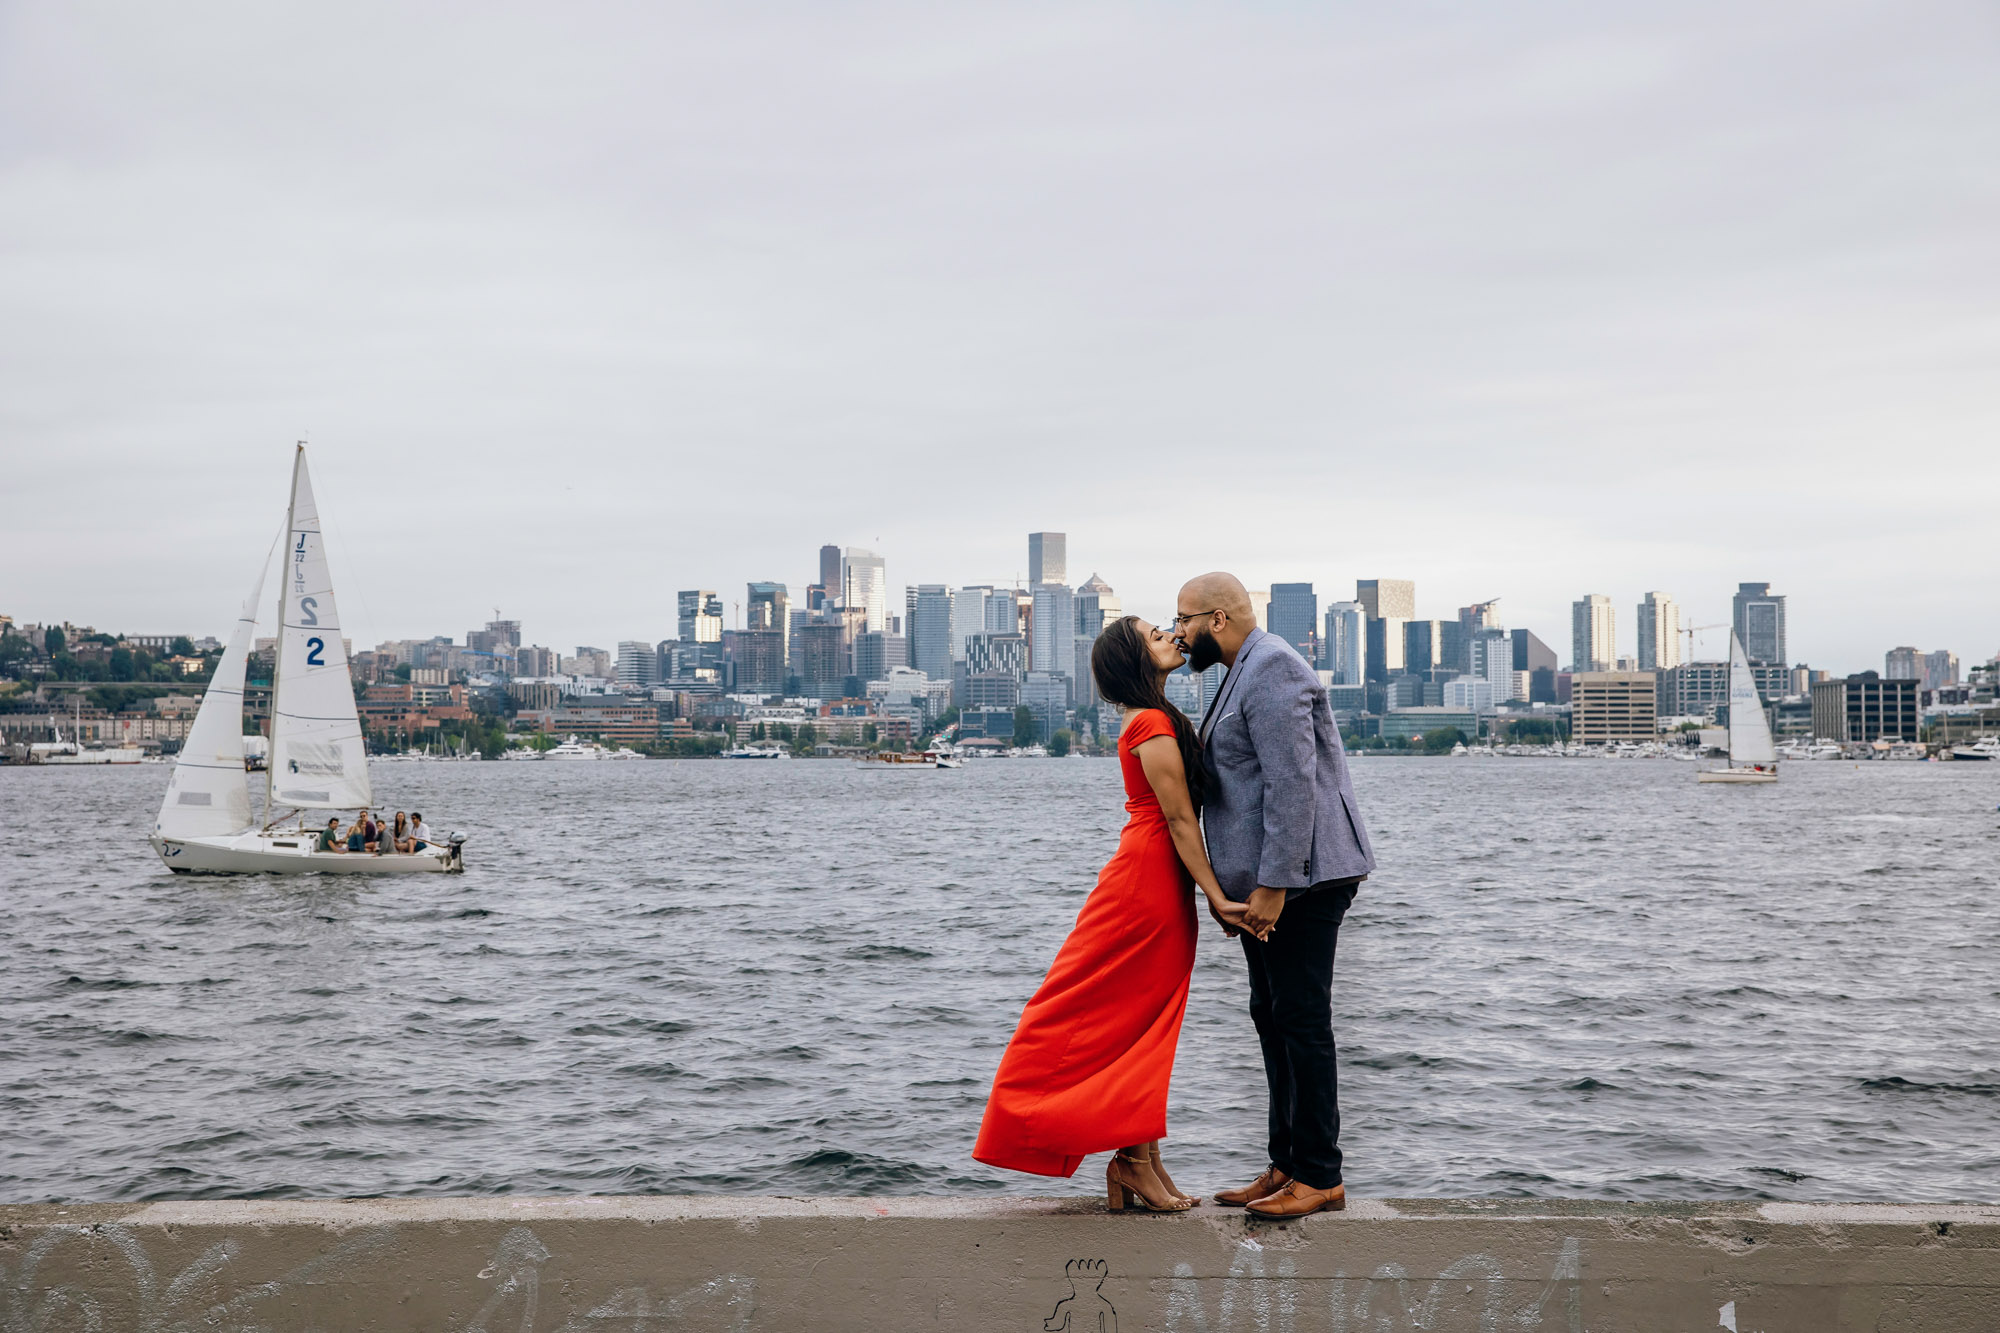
{"x":1752,"y":758}
{"x":317,"y":759}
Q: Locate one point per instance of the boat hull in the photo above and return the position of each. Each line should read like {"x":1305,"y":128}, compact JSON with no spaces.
{"x":1735,"y":775}
{"x":263,"y":854}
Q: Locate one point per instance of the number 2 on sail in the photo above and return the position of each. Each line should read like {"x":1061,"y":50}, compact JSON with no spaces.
{"x":314,"y":646}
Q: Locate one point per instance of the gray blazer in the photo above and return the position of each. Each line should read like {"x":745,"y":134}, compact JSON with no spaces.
{"x":1280,"y":811}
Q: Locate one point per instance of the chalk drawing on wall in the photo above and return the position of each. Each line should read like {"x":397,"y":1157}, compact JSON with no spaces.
{"x":1085,"y":1309}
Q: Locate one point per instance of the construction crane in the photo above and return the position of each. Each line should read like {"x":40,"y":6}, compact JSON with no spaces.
{"x":1690,"y":632}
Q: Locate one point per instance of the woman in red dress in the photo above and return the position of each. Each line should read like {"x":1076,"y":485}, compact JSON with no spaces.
{"x":1088,"y":1068}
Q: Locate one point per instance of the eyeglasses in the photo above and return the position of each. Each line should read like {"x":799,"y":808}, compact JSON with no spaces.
{"x":1179,"y":621}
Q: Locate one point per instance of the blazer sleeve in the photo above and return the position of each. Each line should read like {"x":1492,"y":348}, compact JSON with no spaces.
{"x":1280,"y":721}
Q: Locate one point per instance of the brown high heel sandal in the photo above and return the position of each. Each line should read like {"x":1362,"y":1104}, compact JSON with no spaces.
{"x":1120,"y":1196}
{"x":1160,"y":1170}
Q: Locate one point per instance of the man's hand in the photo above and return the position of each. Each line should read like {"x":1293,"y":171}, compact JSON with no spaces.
{"x":1228,"y":915}
{"x":1264,"y":906}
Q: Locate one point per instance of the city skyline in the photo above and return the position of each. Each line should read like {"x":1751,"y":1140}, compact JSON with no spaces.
{"x":1199,"y":288}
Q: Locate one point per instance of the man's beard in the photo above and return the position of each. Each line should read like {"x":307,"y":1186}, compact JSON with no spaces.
{"x":1202,"y":650}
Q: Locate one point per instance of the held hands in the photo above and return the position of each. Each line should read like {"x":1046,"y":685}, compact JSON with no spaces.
{"x":1260,"y":915}
{"x":1227,"y":914}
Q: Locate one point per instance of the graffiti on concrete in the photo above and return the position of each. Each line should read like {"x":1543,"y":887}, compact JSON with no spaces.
{"x":1471,"y":1294}
{"x":1085,"y":1309}
{"x":103,"y":1278}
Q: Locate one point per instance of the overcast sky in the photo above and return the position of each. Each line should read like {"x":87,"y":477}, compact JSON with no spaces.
{"x":580,"y":305}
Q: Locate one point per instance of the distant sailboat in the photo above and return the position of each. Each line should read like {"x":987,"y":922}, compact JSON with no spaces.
{"x":317,"y":760}
{"x":1752,"y":757}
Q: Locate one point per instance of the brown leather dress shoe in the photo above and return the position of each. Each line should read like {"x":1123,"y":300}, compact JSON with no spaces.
{"x":1296,"y":1200}
{"x":1270,"y":1182}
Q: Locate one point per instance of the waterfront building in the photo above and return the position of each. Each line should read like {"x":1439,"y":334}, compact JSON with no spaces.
{"x":1048,"y":557}
{"x":1295,"y":617}
{"x":1759,"y":618}
{"x":1472,"y":694}
{"x":1613,"y":706}
{"x":1865,"y":707}
{"x":638,"y":665}
{"x":1344,"y":644}
{"x":1052,"y":641}
{"x":1387,"y":598}
{"x":770,"y":607}
{"x":1698,"y":689}
{"x":1659,"y":633}
{"x":1413,"y":722}
{"x":995,"y":723}
{"x":930,"y":626}
{"x":1385,"y":646}
{"x":1593,"y":631}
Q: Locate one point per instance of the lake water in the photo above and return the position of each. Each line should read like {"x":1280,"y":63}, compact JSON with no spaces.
{"x":1567,"y":978}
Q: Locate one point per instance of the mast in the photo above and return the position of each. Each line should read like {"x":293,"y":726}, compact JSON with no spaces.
{"x":278,"y":642}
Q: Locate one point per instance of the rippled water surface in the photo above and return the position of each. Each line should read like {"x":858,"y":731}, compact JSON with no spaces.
{"x":1568,"y":978}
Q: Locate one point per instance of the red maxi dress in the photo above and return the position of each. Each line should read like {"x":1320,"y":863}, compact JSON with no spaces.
{"x":1088,"y":1067}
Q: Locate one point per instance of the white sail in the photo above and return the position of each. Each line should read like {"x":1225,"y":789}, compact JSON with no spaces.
{"x":318,"y":760}
{"x":206,"y":794}
{"x":1749,"y":729}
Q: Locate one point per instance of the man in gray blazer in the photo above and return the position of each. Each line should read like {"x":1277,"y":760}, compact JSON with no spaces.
{"x":1285,"y":836}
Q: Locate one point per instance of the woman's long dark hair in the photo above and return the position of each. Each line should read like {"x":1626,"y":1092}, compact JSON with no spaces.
{"x":1126,"y":675}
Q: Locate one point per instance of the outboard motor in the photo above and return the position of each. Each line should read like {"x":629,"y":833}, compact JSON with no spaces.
{"x":456,"y":853}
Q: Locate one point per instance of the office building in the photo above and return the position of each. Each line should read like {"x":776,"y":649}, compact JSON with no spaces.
{"x":1902,"y":664}
{"x":997,"y":652}
{"x":1183,"y":691}
{"x":1593,"y":629}
{"x":864,"y":587}
{"x":1479,"y":618}
{"x":1096,"y":606}
{"x":1698,"y":689}
{"x":875,"y":651}
{"x":1530,"y":653}
{"x":988,"y":689}
{"x":1423,"y":645}
{"x":930,"y":627}
{"x":1046,"y":695}
{"x":1470,"y":694}
{"x":825,"y":658}
{"x":1385,"y":646}
{"x":1760,"y":622}
{"x":1295,"y":617}
{"x":1343,"y":644}
{"x":1003,"y":611}
{"x":1659,"y":633}
{"x":638,"y":665}
{"x":1489,"y":656}
{"x":1865,"y":708}
{"x":1048,"y":557}
{"x":1940,"y":669}
{"x":829,"y":571}
{"x":700,"y":616}
{"x":968,"y":616}
{"x":1052,"y":636}
{"x":1414,"y":722}
{"x":1387,"y":598}
{"x":1606,"y":706}
{"x":770,"y":607}
{"x":756,"y":660}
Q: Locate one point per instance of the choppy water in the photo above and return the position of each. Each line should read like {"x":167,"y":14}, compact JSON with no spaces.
{"x":1568,"y":978}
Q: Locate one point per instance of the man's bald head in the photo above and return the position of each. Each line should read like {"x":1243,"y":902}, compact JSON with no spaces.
{"x":1219,"y":592}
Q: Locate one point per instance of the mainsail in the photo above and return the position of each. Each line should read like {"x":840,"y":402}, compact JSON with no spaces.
{"x":206,"y":794}
{"x":318,"y":760}
{"x":1749,"y":729}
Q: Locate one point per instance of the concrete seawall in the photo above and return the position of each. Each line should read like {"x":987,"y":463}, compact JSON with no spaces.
{"x":640,"y":1265}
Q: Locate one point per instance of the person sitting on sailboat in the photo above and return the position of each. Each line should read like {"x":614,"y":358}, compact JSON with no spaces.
{"x":420,"y":832}
{"x":400,"y":841}
{"x":329,"y":837}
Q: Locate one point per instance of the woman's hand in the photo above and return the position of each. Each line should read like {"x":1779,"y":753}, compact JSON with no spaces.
{"x":1229,"y":915}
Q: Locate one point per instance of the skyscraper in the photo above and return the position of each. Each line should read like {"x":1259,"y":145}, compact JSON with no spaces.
{"x":1047,"y":557}
{"x":864,"y":586}
{"x":829,"y":570}
{"x":1295,"y":617}
{"x":1423,"y":645}
{"x":1593,"y":630}
{"x":930,"y":630}
{"x":770,"y":607}
{"x":1659,"y":633}
{"x":1385,"y":647}
{"x":1387,"y":597}
{"x":700,"y":616}
{"x":1345,"y":643}
{"x":968,"y":616}
{"x":1052,"y":645}
{"x":1902,"y":664}
{"x":1471,"y":620}
{"x":1096,"y":606}
{"x":638,"y":665}
{"x":1760,"y":622}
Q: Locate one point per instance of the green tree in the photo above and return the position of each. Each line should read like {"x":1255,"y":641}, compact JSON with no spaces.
{"x":1060,"y":742}
{"x":808,"y":738}
{"x":1024,"y":726}
{"x":121,"y":664}
{"x":53,"y":641}
{"x":182,"y":646}
{"x":1439,"y":740}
